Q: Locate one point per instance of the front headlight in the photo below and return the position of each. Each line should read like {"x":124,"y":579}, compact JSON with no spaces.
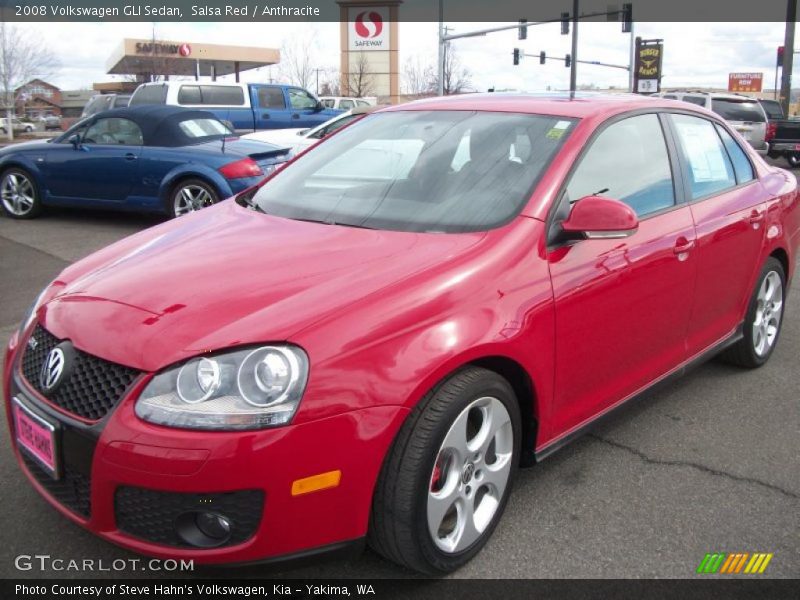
{"x":243,"y":389}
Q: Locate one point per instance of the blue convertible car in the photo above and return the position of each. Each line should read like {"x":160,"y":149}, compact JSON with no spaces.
{"x":147,"y":158}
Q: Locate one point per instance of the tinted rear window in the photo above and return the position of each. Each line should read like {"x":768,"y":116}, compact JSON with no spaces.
{"x":149,"y":94}
{"x":211,"y":95}
{"x":738,"y":110}
{"x":772,"y":108}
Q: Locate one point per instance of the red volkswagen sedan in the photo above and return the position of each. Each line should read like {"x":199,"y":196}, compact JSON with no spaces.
{"x":368,"y":346}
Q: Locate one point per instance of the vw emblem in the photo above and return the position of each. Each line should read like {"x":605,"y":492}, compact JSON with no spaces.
{"x":52,"y":369}
{"x":467,"y":473}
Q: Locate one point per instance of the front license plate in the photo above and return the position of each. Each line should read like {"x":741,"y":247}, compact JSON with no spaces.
{"x":36,"y":436}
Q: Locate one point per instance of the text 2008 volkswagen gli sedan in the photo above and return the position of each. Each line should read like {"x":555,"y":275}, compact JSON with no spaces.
{"x":369,"y":345}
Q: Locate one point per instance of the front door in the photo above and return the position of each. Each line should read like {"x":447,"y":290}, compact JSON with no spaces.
{"x":104,"y":166}
{"x":622,"y":305}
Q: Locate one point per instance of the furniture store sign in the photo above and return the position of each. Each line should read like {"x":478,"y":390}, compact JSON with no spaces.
{"x":368,"y":28}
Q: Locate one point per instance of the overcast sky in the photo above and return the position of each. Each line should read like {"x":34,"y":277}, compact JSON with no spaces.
{"x":695,"y":54}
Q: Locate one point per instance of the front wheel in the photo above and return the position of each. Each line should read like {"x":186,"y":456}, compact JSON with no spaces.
{"x":763,"y":321}
{"x":447,"y":477}
{"x":18,"y":194}
{"x":190,"y":195}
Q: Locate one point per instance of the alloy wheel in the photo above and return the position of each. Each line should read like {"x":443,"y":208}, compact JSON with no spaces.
{"x":769,"y":310}
{"x":17,"y":193}
{"x":190,"y":198}
{"x":470,"y":475}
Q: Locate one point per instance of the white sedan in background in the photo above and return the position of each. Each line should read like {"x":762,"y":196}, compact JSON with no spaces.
{"x":300,"y":139}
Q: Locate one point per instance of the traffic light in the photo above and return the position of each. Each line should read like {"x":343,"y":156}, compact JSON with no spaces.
{"x":567,"y":60}
{"x":542,"y":57}
{"x":780,"y":56}
{"x":564,"y":23}
{"x":517,"y":54}
{"x":523,"y":29}
{"x":627,"y":18}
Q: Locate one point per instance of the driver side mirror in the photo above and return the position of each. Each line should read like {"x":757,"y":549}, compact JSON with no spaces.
{"x":75,"y":140}
{"x":319,"y":106}
{"x":597,"y":217}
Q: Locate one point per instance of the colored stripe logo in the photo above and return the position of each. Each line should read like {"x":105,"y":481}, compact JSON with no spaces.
{"x":734,"y":563}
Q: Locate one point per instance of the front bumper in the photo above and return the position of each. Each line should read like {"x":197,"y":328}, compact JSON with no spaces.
{"x":133,"y":473}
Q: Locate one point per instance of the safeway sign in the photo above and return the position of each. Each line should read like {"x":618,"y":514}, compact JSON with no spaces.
{"x":745,"y":82}
{"x":369,"y":28}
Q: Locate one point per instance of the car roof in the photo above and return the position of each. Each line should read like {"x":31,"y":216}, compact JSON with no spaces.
{"x":577,"y":105}
{"x":158,"y":122}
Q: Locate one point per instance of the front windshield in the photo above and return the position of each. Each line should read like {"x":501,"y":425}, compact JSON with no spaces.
{"x":426,"y":171}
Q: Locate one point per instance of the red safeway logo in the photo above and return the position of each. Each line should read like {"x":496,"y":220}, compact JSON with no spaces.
{"x":369,"y":24}
{"x":184,"y":50}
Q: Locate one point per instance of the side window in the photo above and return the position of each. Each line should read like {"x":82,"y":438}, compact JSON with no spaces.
{"x":271,"y":97}
{"x":301,"y":99}
{"x":190,"y":94}
{"x":328,"y":102}
{"x":709,"y":168}
{"x":670,"y":97}
{"x":346,"y":104}
{"x":338,"y":124}
{"x":741,"y":165}
{"x":628,"y":161}
{"x":362,"y":102}
{"x":110,"y":132}
{"x":222,"y":95}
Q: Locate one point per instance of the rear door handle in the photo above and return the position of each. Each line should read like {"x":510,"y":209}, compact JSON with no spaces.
{"x":295,"y":116}
{"x":130,"y":156}
{"x":265,"y":115}
{"x":682,"y":245}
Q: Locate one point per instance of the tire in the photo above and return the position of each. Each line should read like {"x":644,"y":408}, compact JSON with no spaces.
{"x":19,"y":196}
{"x":793,"y":159}
{"x":200,"y":195}
{"x":424,"y":466}
{"x":761,"y":334}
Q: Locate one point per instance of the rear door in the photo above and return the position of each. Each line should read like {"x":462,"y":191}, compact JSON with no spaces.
{"x":728,"y":206}
{"x":270,"y":108}
{"x":622,"y":305}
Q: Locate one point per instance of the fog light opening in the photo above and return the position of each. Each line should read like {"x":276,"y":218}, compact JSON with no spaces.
{"x":203,"y":529}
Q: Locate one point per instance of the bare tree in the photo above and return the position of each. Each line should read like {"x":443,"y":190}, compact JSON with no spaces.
{"x":360,"y":81}
{"x":22,"y":58}
{"x":457,"y":77}
{"x":297,"y":64}
{"x":417,"y":77}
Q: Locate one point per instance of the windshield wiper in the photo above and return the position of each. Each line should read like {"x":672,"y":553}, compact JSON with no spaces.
{"x":332,"y":222}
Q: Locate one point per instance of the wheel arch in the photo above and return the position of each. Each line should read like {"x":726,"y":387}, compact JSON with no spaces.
{"x":782,"y":257}
{"x":206,"y":175}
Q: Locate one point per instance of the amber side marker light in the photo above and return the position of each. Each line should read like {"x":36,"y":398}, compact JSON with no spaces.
{"x":315,"y":483}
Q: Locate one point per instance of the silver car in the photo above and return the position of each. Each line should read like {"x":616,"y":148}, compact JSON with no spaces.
{"x":745,"y":114}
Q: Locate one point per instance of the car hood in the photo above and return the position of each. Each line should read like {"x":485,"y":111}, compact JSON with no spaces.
{"x":32,"y":145}
{"x":228,"y":276}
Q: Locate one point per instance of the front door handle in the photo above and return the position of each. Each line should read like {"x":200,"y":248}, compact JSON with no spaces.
{"x":130,"y":156}
{"x":755,"y":218}
{"x":265,"y":115}
{"x":295,"y":116}
{"x":683,"y":245}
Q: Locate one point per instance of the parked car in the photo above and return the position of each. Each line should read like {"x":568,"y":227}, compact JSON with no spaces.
{"x":744,"y":113}
{"x":50,"y":122}
{"x":149,"y":158}
{"x":370,"y":343}
{"x":19,"y":126}
{"x":346,"y":103}
{"x":103,"y":102}
{"x":246,"y":106}
{"x":300,"y":139}
{"x":783,"y":135}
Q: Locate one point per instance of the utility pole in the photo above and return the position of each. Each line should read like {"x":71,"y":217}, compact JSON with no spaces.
{"x":633,"y":60}
{"x":788,"y":56}
{"x":573,"y":68}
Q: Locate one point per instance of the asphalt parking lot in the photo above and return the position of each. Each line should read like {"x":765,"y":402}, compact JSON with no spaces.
{"x":708,"y":464}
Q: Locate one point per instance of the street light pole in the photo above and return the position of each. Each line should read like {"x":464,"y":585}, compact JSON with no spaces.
{"x":573,"y":68}
{"x":440,"y":70}
{"x":632,"y":59}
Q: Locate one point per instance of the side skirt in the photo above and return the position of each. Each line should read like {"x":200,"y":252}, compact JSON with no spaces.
{"x":671,"y":376}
